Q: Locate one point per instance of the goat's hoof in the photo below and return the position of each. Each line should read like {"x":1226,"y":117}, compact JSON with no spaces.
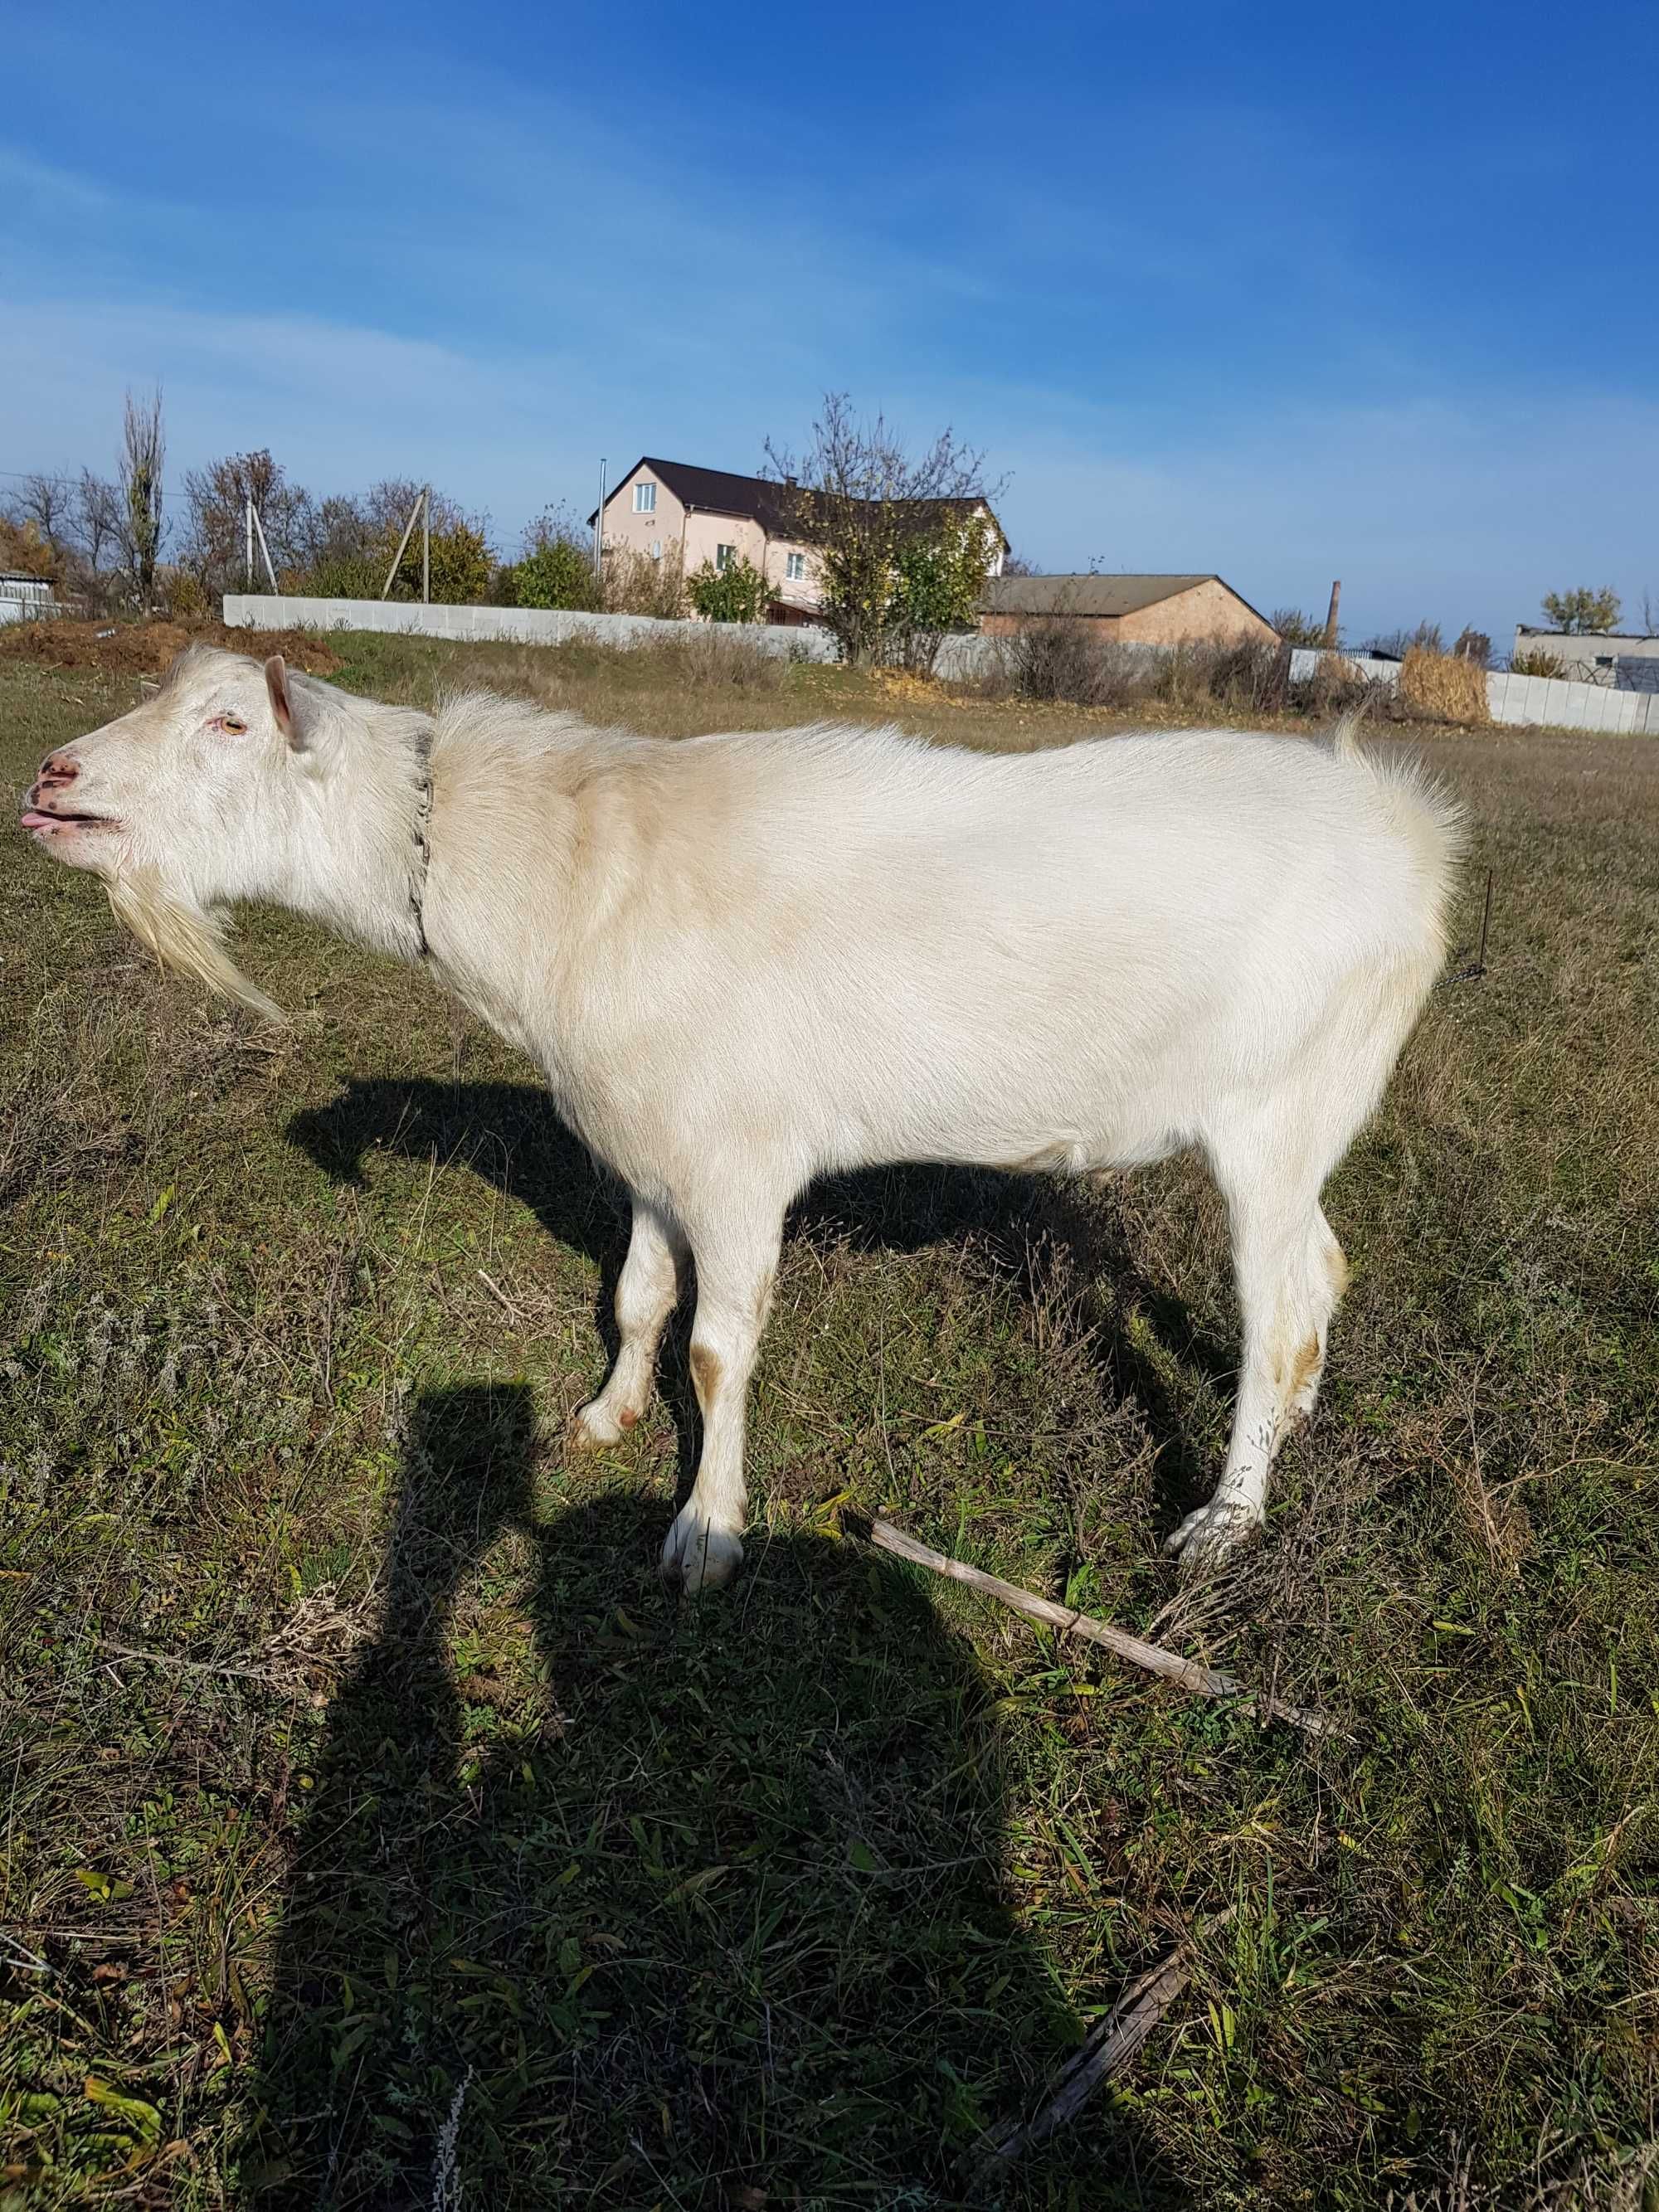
{"x":1207,"y":1539}
{"x":698,"y":1555}
{"x":596,"y":1428}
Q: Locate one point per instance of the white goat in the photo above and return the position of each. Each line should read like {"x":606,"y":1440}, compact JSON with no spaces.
{"x":742,"y":962}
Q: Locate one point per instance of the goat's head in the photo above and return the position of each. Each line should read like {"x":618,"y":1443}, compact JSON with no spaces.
{"x":219,"y":788}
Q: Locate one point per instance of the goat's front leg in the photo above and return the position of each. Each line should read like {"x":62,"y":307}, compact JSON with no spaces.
{"x":736,"y":1265}
{"x":648,"y":1291}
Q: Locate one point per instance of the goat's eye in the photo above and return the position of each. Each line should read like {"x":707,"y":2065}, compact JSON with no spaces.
{"x":232,"y":725}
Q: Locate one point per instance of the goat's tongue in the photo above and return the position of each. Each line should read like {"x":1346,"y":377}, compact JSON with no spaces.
{"x":31,"y":819}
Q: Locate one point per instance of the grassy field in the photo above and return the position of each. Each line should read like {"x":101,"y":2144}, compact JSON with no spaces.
{"x":378,"y":1833}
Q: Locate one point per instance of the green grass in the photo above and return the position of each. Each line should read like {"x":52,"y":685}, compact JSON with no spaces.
{"x":429,"y":1799}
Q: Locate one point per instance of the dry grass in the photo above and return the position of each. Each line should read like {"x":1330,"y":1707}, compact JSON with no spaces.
{"x":1443,"y":687}
{"x":426,"y":1803}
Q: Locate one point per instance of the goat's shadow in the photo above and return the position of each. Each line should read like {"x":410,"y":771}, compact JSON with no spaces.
{"x":600,"y":1900}
{"x":510,"y":1134}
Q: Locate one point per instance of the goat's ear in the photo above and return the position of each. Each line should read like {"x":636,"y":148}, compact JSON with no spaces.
{"x":282,"y":704}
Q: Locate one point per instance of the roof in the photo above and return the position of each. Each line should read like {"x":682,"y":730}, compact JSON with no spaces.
{"x":1085,"y":595}
{"x":715,"y":491}
{"x":759,"y":499}
{"x":1588,"y":636}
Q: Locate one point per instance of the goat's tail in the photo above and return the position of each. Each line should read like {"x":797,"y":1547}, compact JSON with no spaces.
{"x":1344,"y":737}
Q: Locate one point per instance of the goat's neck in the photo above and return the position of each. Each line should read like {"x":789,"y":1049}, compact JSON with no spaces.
{"x":361,"y":866}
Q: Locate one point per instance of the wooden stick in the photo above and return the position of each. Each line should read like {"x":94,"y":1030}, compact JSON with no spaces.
{"x":1109,"y":2047}
{"x":1203,"y":1682}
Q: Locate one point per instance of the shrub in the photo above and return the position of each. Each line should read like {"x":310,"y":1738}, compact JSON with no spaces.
{"x":1297,"y":629}
{"x":346,"y":576}
{"x":1058,"y":660}
{"x":734,"y":594}
{"x":461,"y":566}
{"x":1536,"y":663}
{"x":179,"y":591}
{"x":634,"y":584}
{"x":555,"y":572}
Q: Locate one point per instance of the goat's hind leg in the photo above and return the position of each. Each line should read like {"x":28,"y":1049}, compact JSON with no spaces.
{"x":736,"y":1264}
{"x":647,"y":1291}
{"x":1290,"y":1272}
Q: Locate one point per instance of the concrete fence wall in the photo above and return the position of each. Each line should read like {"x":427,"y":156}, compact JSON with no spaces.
{"x":1535,"y":701}
{"x":507,"y":625}
{"x":1557,"y":704}
{"x":1538,"y":700}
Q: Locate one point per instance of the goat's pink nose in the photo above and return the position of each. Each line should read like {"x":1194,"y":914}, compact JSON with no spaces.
{"x":56,"y":770}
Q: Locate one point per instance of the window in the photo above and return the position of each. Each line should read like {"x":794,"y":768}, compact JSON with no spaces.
{"x":725,"y":555}
{"x":645,"y":499}
{"x":795,"y":568}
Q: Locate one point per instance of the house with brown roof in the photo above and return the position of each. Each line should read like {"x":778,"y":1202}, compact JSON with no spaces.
{"x":1136,"y":610}
{"x":675,"y":511}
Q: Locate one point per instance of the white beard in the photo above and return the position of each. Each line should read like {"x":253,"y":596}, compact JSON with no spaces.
{"x":186,"y":938}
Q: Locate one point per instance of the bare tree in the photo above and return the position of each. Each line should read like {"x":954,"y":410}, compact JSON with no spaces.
{"x":143,"y":457}
{"x":861,"y":499}
{"x":97,"y":519}
{"x":1395,"y":644}
{"x":216,"y":545}
{"x":1649,"y":615}
{"x":48,"y":503}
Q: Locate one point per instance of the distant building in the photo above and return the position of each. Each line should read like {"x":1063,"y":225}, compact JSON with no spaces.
{"x":25,"y":599}
{"x":1610,"y":658}
{"x":675,"y":511}
{"x":1136,"y":610}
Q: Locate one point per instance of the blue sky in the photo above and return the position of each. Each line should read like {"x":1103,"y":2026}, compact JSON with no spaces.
{"x":1286,"y":291}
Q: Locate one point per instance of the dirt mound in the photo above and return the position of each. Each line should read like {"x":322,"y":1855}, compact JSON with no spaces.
{"x":146,"y":648}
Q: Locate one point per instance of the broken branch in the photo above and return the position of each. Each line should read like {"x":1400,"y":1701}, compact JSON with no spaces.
{"x":1202,"y":1681}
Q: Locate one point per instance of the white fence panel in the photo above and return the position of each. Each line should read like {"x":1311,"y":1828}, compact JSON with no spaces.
{"x":504,"y":625}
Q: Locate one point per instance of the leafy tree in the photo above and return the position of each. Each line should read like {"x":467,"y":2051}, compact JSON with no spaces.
{"x":738,"y":593}
{"x":937,"y":580}
{"x":554,"y":573}
{"x":461,"y":565}
{"x":25,"y":552}
{"x":555,"y":569}
{"x":1472,"y":645}
{"x":1582,"y":612}
{"x":858,"y":497}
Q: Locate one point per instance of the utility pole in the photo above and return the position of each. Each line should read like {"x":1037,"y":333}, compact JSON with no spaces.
{"x":408,"y":531}
{"x":599,"y":530}
{"x":426,"y":545}
{"x":253,"y":516}
{"x":247,"y":530}
{"x":1330,"y":618}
